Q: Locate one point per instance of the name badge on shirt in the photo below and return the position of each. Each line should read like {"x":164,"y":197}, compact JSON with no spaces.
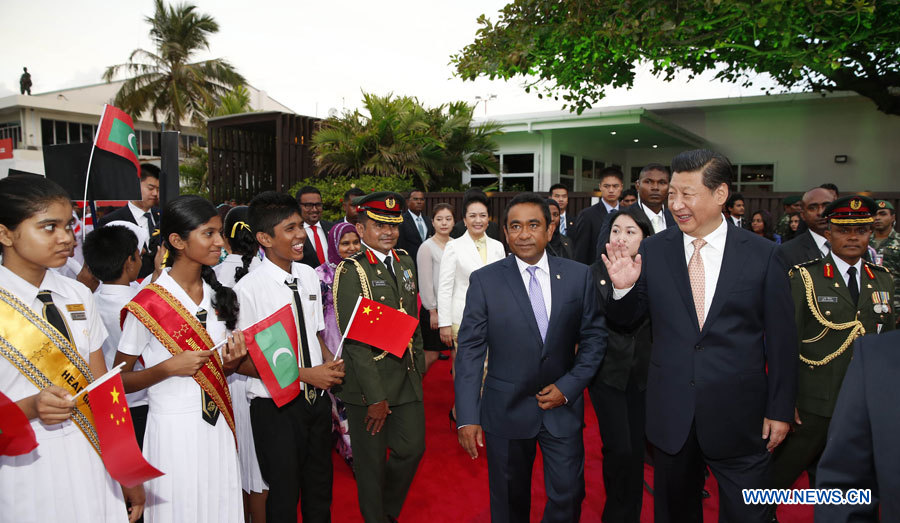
{"x":827,"y":299}
{"x":312,"y":297}
{"x":379,"y":283}
{"x":75,"y":307}
{"x":78,"y":315}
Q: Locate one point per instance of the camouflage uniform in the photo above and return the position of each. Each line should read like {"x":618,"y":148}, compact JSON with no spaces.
{"x":888,"y":250}
{"x":783,"y":225}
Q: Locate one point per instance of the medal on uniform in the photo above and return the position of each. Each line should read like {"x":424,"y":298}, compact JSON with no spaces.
{"x":408,"y":282}
{"x":880,"y":300}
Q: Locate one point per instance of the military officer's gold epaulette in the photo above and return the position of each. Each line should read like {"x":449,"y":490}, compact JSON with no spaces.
{"x":876,"y":268}
{"x":804,"y":264}
{"x":402,"y":251}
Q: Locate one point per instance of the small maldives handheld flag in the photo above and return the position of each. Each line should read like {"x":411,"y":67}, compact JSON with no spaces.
{"x":16,"y":434}
{"x":118,"y":445}
{"x":272,"y":344}
{"x":116,"y":135}
{"x":381,"y":326}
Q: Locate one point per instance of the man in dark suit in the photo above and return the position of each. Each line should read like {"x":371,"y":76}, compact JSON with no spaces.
{"x":653,"y":189}
{"x":737,"y":210}
{"x":720,"y":306}
{"x":416,"y":228}
{"x":861,"y":452}
{"x":532,"y":310}
{"x":315,"y":250}
{"x":560,"y":193}
{"x":145,"y":214}
{"x":590,"y":221}
{"x":810,"y":245}
{"x":348,"y":206}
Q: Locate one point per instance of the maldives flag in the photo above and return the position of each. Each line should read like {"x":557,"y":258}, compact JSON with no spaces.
{"x":118,"y":444}
{"x":16,"y":434}
{"x":116,"y":135}
{"x":381,"y":326}
{"x":272,"y":344}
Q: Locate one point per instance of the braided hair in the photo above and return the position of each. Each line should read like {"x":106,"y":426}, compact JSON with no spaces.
{"x":241,"y":239}
{"x":181,"y":216}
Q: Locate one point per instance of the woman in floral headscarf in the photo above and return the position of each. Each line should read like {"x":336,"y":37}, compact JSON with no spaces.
{"x":343,"y":241}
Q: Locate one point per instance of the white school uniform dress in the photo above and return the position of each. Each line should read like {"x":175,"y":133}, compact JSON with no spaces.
{"x":63,"y":479}
{"x":251,"y":477}
{"x":202,"y":481}
{"x":110,"y":300}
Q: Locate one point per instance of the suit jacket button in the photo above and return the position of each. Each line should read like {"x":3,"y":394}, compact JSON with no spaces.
{"x":698,"y":347}
{"x":692,"y":383}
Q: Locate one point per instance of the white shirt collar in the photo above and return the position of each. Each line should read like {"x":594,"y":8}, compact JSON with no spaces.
{"x":818,"y":238}
{"x":137,"y":213}
{"x":609,"y":208}
{"x":27,"y":292}
{"x":542,"y":264}
{"x":651,"y":214}
{"x":842,"y":266}
{"x":381,"y":256}
{"x":106,"y":289}
{"x":277,"y":273}
{"x":414,"y":215}
{"x":715,"y":239}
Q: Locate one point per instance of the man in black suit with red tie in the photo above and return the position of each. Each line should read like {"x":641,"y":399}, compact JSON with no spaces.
{"x":723,"y":366}
{"x":315,"y":250}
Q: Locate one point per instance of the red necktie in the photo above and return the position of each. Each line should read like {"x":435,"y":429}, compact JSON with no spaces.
{"x":320,"y":253}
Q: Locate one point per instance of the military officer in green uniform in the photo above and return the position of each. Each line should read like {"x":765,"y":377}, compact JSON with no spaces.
{"x":382,"y":393}
{"x":836,"y":299}
{"x":886,"y":242}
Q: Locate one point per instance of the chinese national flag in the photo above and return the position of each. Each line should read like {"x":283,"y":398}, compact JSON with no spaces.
{"x":272,"y":344}
{"x":118,"y":445}
{"x":116,"y":135}
{"x":382,"y":326}
{"x":16,"y":434}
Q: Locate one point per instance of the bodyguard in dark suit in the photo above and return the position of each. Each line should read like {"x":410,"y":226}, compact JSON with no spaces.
{"x":535,"y":381}
{"x":560,"y":194}
{"x":811,"y":244}
{"x":315,"y":248}
{"x":144,"y":213}
{"x":590,"y":221}
{"x":416,"y":227}
{"x":653,"y":189}
{"x":720,"y":306}
{"x":619,"y":390}
{"x":862,"y":450}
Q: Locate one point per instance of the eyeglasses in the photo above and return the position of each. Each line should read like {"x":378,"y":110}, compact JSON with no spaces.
{"x":311,"y":205}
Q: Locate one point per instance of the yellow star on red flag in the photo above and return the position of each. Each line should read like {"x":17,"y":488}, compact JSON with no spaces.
{"x":115,"y":395}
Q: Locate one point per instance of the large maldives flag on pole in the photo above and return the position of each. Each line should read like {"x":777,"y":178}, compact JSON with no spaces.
{"x":116,"y":135}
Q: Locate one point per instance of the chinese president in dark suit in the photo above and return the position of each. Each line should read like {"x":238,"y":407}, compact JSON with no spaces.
{"x":532,"y":310}
{"x":723,"y":365}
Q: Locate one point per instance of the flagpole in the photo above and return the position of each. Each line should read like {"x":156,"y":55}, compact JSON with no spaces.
{"x":87,"y":176}
{"x":337,"y":355}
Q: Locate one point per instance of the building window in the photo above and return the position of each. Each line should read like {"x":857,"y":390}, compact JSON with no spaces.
{"x":58,"y":132}
{"x":566,"y":165}
{"x":11,"y":130}
{"x":517,"y":173}
{"x":754,"y":177}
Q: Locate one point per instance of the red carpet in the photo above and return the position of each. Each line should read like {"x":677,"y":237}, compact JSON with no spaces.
{"x":449,"y":486}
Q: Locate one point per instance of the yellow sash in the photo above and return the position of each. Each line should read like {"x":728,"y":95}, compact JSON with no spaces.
{"x":45,"y":357}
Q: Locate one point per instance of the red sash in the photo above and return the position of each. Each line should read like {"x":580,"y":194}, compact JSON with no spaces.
{"x":179,"y":330}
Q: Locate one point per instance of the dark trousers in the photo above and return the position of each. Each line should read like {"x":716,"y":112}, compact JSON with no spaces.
{"x":382,"y":483}
{"x":800,"y":451}
{"x":510,"y":462}
{"x":293,"y":446}
{"x":678,"y":483}
{"x":621,"y":420}
{"x":139,"y":420}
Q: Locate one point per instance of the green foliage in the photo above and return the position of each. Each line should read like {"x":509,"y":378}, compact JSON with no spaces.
{"x":334,"y":187}
{"x":165,"y":82}
{"x":193,"y":172}
{"x":399,"y":136}
{"x":575,"y":49}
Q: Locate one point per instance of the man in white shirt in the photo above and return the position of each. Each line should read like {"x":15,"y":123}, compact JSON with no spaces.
{"x":560,"y":193}
{"x":145,"y":214}
{"x":590,"y":221}
{"x":736,"y":209}
{"x":315,"y":250}
{"x":416,"y":228}
{"x":723,"y":378}
{"x":811,"y":244}
{"x":653,"y":189}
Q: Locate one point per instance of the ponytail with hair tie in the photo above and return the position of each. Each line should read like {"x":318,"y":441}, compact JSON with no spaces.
{"x":224,"y":301}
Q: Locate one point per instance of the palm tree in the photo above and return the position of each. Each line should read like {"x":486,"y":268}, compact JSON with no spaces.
{"x":401,"y":137}
{"x":166,"y":82}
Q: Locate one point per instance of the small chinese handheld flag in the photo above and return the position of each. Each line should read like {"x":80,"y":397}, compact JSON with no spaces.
{"x":272,"y":344}
{"x":16,"y":434}
{"x":381,"y":326}
{"x":6,"y":148}
{"x":116,"y":135}
{"x":118,"y":444}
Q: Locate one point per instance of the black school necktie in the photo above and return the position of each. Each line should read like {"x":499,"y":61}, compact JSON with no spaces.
{"x":53,"y":316}
{"x":853,"y":285}
{"x":209,"y":408}
{"x":305,"y":361}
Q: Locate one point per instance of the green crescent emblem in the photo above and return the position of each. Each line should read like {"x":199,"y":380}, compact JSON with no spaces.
{"x":275,"y":344}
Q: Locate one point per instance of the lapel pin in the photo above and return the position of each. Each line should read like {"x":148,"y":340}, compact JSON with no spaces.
{"x":836,"y":284}
{"x":868,"y":285}
{"x":558,"y":277}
